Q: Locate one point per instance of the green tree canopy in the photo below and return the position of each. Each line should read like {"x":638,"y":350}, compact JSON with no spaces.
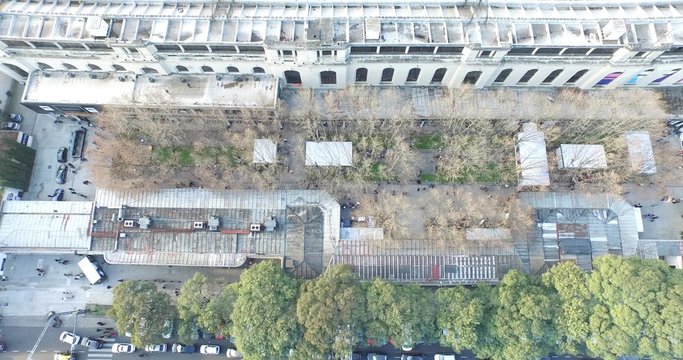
{"x":461,"y":316}
{"x":404,"y":313}
{"x":264,"y":316}
{"x":141,"y":308}
{"x":570,"y":284}
{"x":195,"y":296}
{"x":216,"y":316}
{"x":638,"y":309}
{"x":331,"y":310}
{"x":522,"y":326}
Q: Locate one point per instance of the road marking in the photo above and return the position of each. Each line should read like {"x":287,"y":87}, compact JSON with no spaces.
{"x":100,"y":355}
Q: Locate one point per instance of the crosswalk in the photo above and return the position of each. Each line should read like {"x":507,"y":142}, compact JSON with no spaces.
{"x":102,"y":354}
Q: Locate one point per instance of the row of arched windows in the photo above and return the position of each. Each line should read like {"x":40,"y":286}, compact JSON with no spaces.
{"x":91,"y":67}
{"x":472,"y":77}
{"x":230,"y":69}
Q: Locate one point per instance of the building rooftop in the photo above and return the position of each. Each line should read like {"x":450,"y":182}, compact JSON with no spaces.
{"x":153,"y":90}
{"x":605,"y":224}
{"x":216,"y":228}
{"x":329,"y":153}
{"x":499,"y":23}
{"x":579,"y":156}
{"x":640,"y":152}
{"x":45,"y":225}
{"x":265,"y":151}
{"x":532,"y":158}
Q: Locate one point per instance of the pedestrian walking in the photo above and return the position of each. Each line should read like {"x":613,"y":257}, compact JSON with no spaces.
{"x":100,"y":323}
{"x":86,"y":182}
{"x":71,"y":165}
{"x":98,"y":329}
{"x":72,"y":189}
{"x":58,"y":259}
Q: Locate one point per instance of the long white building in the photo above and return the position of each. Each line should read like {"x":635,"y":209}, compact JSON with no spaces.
{"x":336,"y":43}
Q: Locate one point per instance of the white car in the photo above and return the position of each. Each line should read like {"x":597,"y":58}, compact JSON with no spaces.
{"x":69,"y":338}
{"x":122,"y":348}
{"x":210,"y":349}
{"x":232,"y":353}
{"x":156,"y":348}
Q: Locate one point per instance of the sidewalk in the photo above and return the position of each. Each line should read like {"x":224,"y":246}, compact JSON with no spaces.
{"x":27,"y":294}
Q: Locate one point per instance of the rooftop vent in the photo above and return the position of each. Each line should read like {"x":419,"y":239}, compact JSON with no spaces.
{"x":255,"y":227}
{"x":46,"y":74}
{"x":270,"y":224}
{"x":214,"y":223}
{"x":122,"y":78}
{"x":219,"y":78}
{"x":128,"y":223}
{"x":93,"y":76}
{"x":71,"y":75}
{"x":198,"y":225}
{"x":144,"y":222}
{"x":152,"y":80}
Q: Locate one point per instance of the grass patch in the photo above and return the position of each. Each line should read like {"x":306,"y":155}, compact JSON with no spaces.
{"x":427,"y":141}
{"x":97,"y":309}
{"x":185,"y":157}
{"x":492,"y":173}
{"x":163,"y":155}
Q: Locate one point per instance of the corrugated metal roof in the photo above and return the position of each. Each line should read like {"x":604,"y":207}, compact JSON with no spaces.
{"x":329,"y":153}
{"x":46,"y":225}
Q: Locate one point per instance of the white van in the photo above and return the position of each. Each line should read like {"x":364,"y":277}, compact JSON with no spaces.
{"x":91,"y":270}
{"x":444,"y":357}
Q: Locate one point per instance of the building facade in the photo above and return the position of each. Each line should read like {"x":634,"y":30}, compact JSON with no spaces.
{"x":333,"y":44}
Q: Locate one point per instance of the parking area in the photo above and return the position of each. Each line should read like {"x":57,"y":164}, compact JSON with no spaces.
{"x":50,"y":135}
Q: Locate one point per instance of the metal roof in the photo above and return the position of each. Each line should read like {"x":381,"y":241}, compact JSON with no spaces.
{"x":54,"y":225}
{"x":532,"y":158}
{"x":265,"y":151}
{"x":329,"y":153}
{"x":580,"y":156}
{"x":640,"y":152}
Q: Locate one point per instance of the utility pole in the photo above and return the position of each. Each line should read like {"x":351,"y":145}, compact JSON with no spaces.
{"x":50,"y":318}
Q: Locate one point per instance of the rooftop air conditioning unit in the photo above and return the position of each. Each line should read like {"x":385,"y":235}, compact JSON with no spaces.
{"x":198,"y":225}
{"x":255,"y":227}
{"x":128,"y":223}
{"x":214,"y":223}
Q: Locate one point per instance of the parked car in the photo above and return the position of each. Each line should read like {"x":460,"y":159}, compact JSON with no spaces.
{"x":411,"y":357}
{"x":65,"y":356}
{"x":167,"y":331}
{"x":232,"y":353}
{"x":377,"y":357}
{"x":444,"y":357}
{"x":11,"y":126}
{"x":210,"y":349}
{"x":91,"y":343}
{"x":61,"y":174}
{"x":58,"y":195}
{"x":69,"y":338}
{"x":156,"y":348}
{"x":185,"y":349}
{"x":15,"y":117}
{"x":122,"y":348}
{"x":61,"y":154}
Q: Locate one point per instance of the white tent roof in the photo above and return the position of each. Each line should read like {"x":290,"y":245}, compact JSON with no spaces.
{"x":640,"y":152}
{"x":579,"y":156}
{"x":329,"y":153}
{"x":532,"y":158}
{"x":265,"y":151}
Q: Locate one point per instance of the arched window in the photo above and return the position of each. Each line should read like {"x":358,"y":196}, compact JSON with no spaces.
{"x":527,"y":76}
{"x":118,"y":67}
{"x":328,"y":78}
{"x":472,"y":77}
{"x":68,"y":66}
{"x":94,"y":67}
{"x":413,"y":74}
{"x":21,"y":72}
{"x":387,"y":75}
{"x":180,"y":68}
{"x":552,"y":76}
{"x":438,"y":76}
{"x":664,"y":77}
{"x":207,"y":69}
{"x":293,"y":77}
{"x":361,"y":75}
{"x":232,"y":69}
{"x":44,"y":66}
{"x":148,"y":70}
{"x":578,"y":75}
{"x":258,"y":70}
{"x":609,"y":78}
{"x":503,"y":76}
